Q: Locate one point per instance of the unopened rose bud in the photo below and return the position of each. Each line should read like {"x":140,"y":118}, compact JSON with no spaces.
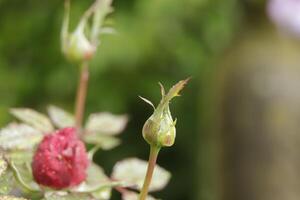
{"x":77,"y":47}
{"x":60,"y":160}
{"x":159,"y":130}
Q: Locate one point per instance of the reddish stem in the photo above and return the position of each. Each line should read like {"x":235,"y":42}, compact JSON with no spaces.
{"x":151,"y":165}
{"x":81,"y":94}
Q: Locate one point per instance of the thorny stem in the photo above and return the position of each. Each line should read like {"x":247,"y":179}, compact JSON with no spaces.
{"x":81,"y":94}
{"x":154,"y":150}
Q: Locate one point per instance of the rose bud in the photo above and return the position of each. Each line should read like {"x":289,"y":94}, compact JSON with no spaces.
{"x":76,"y":46}
{"x":159,"y":130}
{"x":61,"y":160}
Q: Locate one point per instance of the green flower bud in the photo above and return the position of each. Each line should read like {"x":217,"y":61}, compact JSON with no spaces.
{"x":159,"y":130}
{"x":77,"y":47}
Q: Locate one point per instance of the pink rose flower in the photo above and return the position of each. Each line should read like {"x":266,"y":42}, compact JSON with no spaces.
{"x":60,"y":160}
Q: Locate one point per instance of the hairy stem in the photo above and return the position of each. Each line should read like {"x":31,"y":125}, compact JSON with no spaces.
{"x":154,"y":150}
{"x":81,"y":94}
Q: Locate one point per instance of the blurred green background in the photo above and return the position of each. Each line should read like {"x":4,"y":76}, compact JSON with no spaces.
{"x":158,"y":40}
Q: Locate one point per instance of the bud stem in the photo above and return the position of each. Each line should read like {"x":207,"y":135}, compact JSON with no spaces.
{"x":154,"y":150}
{"x":81,"y":94}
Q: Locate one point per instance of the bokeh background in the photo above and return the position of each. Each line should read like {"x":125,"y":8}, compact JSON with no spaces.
{"x":238,"y":133}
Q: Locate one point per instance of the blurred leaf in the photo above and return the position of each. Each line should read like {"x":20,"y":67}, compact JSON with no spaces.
{"x":3,"y":165}
{"x":19,"y":137}
{"x":66,"y":196}
{"x":97,"y":183}
{"x":20,"y":157}
{"x":24,"y":175}
{"x":33,"y":118}
{"x":10,"y":198}
{"x":60,"y":117}
{"x":104,"y":194}
{"x":106,"y":123}
{"x":134,"y":196}
{"x":105,"y":142}
{"x":133,"y":171}
{"x":6,"y":182}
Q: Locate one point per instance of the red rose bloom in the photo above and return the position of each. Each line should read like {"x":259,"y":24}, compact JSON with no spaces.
{"x":60,"y":160}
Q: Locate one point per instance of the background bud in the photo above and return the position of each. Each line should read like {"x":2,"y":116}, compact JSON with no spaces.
{"x":78,"y":48}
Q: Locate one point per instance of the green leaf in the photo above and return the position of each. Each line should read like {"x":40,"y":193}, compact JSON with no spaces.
{"x":33,"y":118}
{"x":106,"y":123}
{"x":105,"y":142}
{"x":133,"y":171}
{"x":60,"y":117}
{"x":134,"y":196}
{"x":96,"y":183}
{"x":10,"y":198}
{"x":66,"y":196}
{"x":19,"y":137}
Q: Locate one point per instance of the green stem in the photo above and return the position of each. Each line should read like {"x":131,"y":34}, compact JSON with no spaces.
{"x":154,"y":150}
{"x":81,"y":94}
